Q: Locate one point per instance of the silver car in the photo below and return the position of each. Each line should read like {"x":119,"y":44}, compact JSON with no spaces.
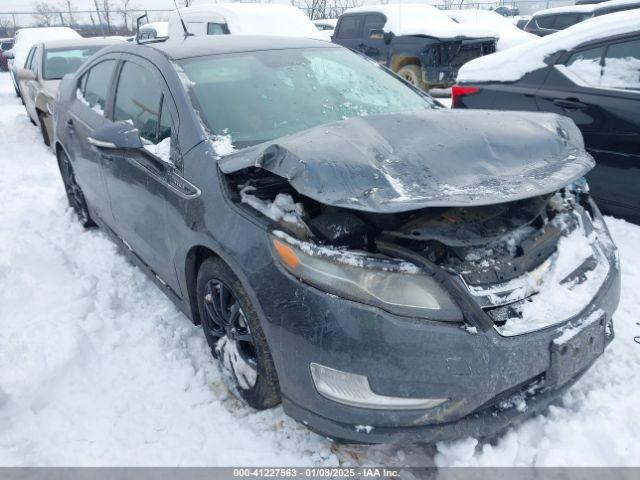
{"x":46,"y":64}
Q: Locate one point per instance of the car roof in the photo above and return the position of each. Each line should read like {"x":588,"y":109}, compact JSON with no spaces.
{"x":199,"y":46}
{"x":81,"y":42}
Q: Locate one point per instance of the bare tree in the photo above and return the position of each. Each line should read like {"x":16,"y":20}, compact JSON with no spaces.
{"x":125,"y":9}
{"x":70,"y":8}
{"x":6,"y":29}
{"x":107,"y":9}
{"x":45,"y":14}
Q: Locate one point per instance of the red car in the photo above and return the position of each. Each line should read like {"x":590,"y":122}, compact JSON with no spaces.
{"x":5,"y":44}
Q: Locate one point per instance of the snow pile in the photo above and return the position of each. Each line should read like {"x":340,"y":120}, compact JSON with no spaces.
{"x":420,"y":19}
{"x":595,"y":424}
{"x":27,"y":37}
{"x":513,"y":64}
{"x":96,"y":108}
{"x":283,"y":208}
{"x":222,"y":144}
{"x":557,"y":301}
{"x":161,"y":149}
{"x":509,"y":34}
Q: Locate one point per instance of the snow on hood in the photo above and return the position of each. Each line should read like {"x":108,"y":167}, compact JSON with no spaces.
{"x":407,"y":161}
{"x":513,"y":64}
{"x":509,"y":35}
{"x":418,"y":19}
{"x":28,"y":37}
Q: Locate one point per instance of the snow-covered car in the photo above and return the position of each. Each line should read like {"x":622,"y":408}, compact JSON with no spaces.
{"x":243,"y":19}
{"x":25,"y":39}
{"x":590,"y":73}
{"x":48,"y":63}
{"x":418,"y":42}
{"x":153,"y":30}
{"x":509,"y":34}
{"x":551,"y":20}
{"x":389,"y":269}
{"x":326,"y":26}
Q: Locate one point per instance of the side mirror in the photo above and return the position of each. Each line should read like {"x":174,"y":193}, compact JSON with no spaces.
{"x":25,"y":75}
{"x":377,"y":34}
{"x":9,"y":55}
{"x":117,"y":136}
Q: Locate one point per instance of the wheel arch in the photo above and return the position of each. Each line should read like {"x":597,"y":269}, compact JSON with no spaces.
{"x":400,"y":60}
{"x":193,"y":260}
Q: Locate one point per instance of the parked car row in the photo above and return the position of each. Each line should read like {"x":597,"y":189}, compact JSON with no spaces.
{"x":551,"y":20}
{"x":589,"y":73}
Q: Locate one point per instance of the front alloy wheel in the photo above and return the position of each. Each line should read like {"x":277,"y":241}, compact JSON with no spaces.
{"x":234,"y":334}
{"x":74,"y":192}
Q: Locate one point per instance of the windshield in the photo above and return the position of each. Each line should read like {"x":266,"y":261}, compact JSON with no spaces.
{"x":58,"y":62}
{"x":259,"y":96}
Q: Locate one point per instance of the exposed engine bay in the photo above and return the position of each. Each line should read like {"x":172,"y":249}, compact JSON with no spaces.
{"x":500,"y":253}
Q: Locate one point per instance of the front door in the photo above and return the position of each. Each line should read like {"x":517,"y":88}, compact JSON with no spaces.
{"x":138,"y":182}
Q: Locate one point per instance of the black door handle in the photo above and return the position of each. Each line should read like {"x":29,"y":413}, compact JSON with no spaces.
{"x":570,"y":103}
{"x":70,"y":126}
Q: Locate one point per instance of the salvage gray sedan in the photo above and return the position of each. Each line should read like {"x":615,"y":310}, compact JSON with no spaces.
{"x":388,"y":269}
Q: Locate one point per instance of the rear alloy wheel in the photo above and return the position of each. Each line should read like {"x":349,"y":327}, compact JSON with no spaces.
{"x":43,"y":129}
{"x":233,"y":332}
{"x":74,"y":192}
{"x":413,"y":75}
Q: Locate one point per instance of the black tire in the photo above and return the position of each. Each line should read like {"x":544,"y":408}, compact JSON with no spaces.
{"x":74,"y":192}
{"x":413,"y":75}
{"x":225,"y":342}
{"x":43,"y":129}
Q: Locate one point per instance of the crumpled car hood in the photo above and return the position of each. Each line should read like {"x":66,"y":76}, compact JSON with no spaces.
{"x":433,"y":158}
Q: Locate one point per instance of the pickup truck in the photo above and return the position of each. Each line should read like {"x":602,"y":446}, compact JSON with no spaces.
{"x":418,"y":42}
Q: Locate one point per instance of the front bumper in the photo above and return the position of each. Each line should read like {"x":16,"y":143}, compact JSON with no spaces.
{"x":491,"y":380}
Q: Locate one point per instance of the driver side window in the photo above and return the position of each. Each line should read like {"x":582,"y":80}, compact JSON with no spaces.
{"x":140,"y":101}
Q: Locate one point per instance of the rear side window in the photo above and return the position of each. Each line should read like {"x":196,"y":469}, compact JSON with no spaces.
{"x":350,"y":26}
{"x":567,"y":20}
{"x":139,"y":101}
{"x":545,"y":21}
{"x":217,"y":28}
{"x":587,"y":65}
{"x":622,"y":66}
{"x":95,"y":84}
{"x":373,"y":22}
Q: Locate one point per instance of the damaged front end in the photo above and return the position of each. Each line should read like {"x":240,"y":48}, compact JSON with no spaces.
{"x":383,"y":224}
{"x":441,"y":61}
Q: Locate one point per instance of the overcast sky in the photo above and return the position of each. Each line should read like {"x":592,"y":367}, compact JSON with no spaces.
{"x":27,"y":5}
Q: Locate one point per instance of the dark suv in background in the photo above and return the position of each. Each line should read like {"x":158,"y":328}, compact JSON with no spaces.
{"x":427,"y":56}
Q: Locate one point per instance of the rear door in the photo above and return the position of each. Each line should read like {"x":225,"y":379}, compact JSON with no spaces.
{"x":86,"y":115}
{"x":599,"y":88}
{"x":29,"y":88}
{"x":139,"y":181}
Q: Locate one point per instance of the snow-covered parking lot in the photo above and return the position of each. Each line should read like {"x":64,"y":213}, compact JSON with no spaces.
{"x":97,"y":367}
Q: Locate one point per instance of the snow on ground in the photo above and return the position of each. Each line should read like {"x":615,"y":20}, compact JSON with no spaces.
{"x":97,"y":367}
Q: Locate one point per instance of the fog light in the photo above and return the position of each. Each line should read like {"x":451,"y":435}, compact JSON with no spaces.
{"x":354,"y":390}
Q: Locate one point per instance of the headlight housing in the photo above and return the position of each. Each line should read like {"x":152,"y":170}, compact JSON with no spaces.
{"x":397,"y":287}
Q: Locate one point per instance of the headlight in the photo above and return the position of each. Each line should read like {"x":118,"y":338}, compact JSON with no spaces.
{"x":397,"y":287}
